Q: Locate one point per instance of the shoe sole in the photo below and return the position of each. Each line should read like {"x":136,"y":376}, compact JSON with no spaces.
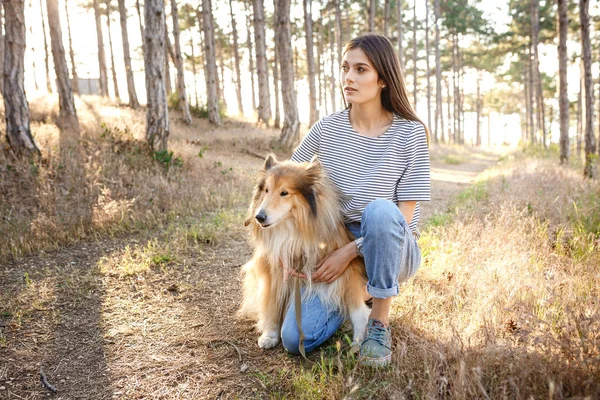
{"x":375,"y":362}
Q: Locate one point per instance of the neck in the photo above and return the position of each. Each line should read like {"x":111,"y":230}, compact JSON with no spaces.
{"x":370,"y":117}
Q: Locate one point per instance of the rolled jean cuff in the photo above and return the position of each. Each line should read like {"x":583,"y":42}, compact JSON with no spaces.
{"x":382,"y":293}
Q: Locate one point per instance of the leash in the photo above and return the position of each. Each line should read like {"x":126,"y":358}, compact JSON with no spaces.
{"x":298,"y":308}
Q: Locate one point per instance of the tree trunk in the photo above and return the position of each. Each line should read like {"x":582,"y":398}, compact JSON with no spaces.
{"x":319,"y":65}
{"x":112,"y":55}
{"x":455,"y":94}
{"x":461,"y":94}
{"x":2,"y":49}
{"x":450,"y":119}
{"x":236,"y":55}
{"x":277,"y":121}
{"x":478,"y":111}
{"x":139,"y":13}
{"x":264,"y":101}
{"x":527,"y":107}
{"x":68,"y":121}
{"x":372,"y":11}
{"x":338,"y":31}
{"x":386,"y":17}
{"x":332,"y":77}
{"x":168,"y":52}
{"x":588,"y":106}
{"x":131,"y":92}
{"x":157,"y":114}
{"x":101,"y":57}
{"x":535,"y":28}
{"x":563,"y":97}
{"x":46,"y":53}
{"x":210,"y":61}
{"x":310,"y":60}
{"x":183,"y":100}
{"x":16,"y":109}
{"x":194,"y":71}
{"x":427,"y":64}
{"x":33,"y":68}
{"x":532,"y":126}
{"x":250,"y":52}
{"x":291,"y":125}
{"x":221,"y":79}
{"x":580,"y":110}
{"x":71,"y":53}
{"x":400,"y":29}
{"x":415,"y":83}
{"x":439,"y":119}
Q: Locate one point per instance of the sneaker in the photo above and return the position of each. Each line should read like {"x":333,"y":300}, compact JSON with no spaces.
{"x":376,"y":349}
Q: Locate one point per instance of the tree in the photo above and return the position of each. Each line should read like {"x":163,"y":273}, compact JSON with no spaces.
{"x":101,"y":56}
{"x":372,"y":11}
{"x":71,"y":53}
{"x":400,"y":30}
{"x":157,"y":114}
{"x":133,"y":100}
{"x":291,"y":124}
{"x":439,"y":124}
{"x":112,"y":55}
{"x":386,"y":17}
{"x":250,"y":51}
{"x":415,"y":54}
{"x":588,"y":107}
{"x":264,"y":102}
{"x":1,"y":51}
{"x":68,"y":122}
{"x":46,"y":54}
{"x":535,"y":28}
{"x":210,"y":61}
{"x":183,"y":101}
{"x":310,"y":60}
{"x":427,"y":64}
{"x":563,"y":98}
{"x":236,"y":55}
{"x":18,"y":131}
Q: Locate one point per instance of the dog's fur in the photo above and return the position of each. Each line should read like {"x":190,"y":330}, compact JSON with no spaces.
{"x":296,"y":221}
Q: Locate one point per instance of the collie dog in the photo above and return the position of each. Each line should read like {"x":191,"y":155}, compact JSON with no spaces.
{"x":296,"y":222}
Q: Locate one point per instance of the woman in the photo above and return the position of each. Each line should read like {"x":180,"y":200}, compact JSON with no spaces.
{"x":376,"y":153}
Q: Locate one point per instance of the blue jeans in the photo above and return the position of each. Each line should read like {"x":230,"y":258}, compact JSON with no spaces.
{"x":391,"y":256}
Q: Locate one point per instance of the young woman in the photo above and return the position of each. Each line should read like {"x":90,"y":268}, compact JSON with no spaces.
{"x":376,"y":152}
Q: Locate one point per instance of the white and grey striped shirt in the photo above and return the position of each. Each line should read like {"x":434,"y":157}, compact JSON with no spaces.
{"x":392,"y":166}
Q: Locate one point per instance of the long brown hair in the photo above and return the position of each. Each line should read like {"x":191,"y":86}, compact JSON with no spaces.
{"x":384,"y":58}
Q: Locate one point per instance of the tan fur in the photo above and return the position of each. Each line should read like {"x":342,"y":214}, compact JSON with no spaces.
{"x":304,"y":225}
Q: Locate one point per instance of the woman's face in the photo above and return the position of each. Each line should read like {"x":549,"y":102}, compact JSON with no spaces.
{"x":360,"y":79}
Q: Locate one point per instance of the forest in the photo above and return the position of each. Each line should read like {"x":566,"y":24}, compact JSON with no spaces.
{"x":134,"y":133}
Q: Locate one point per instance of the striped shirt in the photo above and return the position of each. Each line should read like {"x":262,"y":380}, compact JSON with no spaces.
{"x":393,"y":166}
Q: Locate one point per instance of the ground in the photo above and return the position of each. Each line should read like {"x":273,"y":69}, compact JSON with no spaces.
{"x":108,"y":318}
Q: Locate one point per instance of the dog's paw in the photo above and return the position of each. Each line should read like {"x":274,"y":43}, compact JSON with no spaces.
{"x":268,"y":340}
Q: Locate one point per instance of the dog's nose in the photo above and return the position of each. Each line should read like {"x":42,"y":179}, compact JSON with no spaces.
{"x":261,"y":216}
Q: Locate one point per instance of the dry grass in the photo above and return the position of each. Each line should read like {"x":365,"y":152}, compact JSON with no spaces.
{"x":46,"y":203}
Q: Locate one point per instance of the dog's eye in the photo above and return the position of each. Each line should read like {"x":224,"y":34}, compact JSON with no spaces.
{"x":266,"y":190}
{"x":284,"y":193}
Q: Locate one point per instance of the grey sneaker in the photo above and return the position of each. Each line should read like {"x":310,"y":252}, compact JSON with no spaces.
{"x":376,"y":349}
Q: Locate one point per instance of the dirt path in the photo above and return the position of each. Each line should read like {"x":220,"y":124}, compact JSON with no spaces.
{"x":101,"y":329}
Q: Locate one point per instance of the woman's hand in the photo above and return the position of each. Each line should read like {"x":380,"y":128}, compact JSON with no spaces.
{"x":334,"y":264}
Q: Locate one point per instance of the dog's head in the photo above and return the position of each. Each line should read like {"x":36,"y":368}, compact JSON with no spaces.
{"x":285,"y":190}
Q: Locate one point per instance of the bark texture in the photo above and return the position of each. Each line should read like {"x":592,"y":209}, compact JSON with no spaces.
{"x":563,"y":98}
{"x":183,"y":101}
{"x":588,"y":105}
{"x":236,"y":55}
{"x":131,"y":92}
{"x":46,"y":53}
{"x":264,"y":102}
{"x":101,"y":56}
{"x":310,"y":60}
{"x":210,"y":64}
{"x":157,"y":115}
{"x":291,"y":124}
{"x":112,"y":54}
{"x":71,"y":52}
{"x":16,"y":108}
{"x":439,"y":119}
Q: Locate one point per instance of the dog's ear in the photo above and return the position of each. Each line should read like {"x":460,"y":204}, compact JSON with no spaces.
{"x":314,"y":168}
{"x":270,"y":161}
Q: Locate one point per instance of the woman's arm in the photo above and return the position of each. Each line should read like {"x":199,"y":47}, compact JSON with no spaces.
{"x":407,"y":208}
